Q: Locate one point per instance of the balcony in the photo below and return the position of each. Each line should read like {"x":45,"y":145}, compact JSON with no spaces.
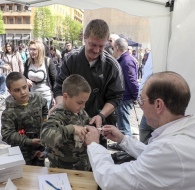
{"x":17,"y":13}
{"x":18,"y":26}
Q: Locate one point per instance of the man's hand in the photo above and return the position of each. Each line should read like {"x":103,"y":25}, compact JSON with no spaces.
{"x":112,"y":133}
{"x":96,"y":120}
{"x":36,"y":142}
{"x":93,"y":135}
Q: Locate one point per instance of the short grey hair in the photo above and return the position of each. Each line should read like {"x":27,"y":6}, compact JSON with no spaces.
{"x":114,"y":36}
{"x":122,"y":44}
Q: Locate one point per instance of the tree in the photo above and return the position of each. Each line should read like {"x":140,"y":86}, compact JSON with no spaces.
{"x":43,"y":23}
{"x":72,"y":29}
{"x":58,"y":26}
{"x":2,"y":29}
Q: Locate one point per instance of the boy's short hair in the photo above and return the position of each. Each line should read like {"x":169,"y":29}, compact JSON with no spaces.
{"x":75,"y":84}
{"x":12,"y":77}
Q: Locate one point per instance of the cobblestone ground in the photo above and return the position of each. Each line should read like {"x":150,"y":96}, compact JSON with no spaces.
{"x":135,"y":118}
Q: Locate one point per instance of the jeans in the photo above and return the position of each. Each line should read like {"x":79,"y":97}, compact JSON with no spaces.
{"x":140,"y":72}
{"x":49,"y":101}
{"x":2,"y":84}
{"x":123,"y":117}
{"x":144,"y":131}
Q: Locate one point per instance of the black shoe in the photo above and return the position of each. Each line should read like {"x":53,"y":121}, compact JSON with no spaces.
{"x":115,"y":146}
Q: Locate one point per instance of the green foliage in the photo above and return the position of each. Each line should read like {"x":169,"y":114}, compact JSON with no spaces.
{"x":2,"y":29}
{"x":58,"y":26}
{"x":46,"y":26}
{"x":72,"y":29}
{"x":43,"y":23}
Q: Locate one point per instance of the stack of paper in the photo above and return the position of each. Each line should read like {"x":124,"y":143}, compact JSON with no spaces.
{"x":59,"y":181}
{"x":4,"y":148}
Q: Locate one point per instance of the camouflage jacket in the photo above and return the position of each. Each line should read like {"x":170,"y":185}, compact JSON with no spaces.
{"x":58,"y":136}
{"x":27,"y":118}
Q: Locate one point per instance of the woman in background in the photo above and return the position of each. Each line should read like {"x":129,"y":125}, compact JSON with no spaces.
{"x":56,"y":58}
{"x":12,"y":59}
{"x":40,"y":71}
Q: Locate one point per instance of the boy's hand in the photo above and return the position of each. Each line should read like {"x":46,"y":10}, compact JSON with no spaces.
{"x":30,"y":83}
{"x":52,"y":109}
{"x":36,"y":142}
{"x":39,"y":154}
{"x":93,"y":135}
{"x":80,"y":131}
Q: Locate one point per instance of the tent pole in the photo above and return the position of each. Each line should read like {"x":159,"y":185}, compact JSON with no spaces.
{"x":152,"y":1}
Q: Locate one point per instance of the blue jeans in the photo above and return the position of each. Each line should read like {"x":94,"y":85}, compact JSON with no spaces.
{"x":144,"y":131}
{"x":2,"y":84}
{"x":123,"y":117}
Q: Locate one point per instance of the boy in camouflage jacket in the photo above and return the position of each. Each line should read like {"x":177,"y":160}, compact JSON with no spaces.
{"x":64,"y":132}
{"x":22,"y":118}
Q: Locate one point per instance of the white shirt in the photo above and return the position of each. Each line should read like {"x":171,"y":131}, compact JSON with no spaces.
{"x":167,"y":163}
{"x":39,"y":75}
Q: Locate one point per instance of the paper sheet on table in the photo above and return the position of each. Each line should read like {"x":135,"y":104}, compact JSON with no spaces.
{"x":9,"y":185}
{"x":58,"y":180}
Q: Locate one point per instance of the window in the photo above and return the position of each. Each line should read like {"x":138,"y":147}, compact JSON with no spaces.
{"x":26,"y":20}
{"x":2,"y":8}
{"x":18,"y":8}
{"x":18,"y":21}
{"x":11,"y":21}
{"x":10,"y":8}
{"x":26,"y":8}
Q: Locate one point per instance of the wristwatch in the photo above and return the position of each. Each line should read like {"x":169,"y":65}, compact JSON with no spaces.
{"x":103,"y":117}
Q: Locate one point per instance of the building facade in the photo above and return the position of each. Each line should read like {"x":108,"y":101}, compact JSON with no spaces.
{"x":133,"y":27}
{"x":19,"y":20}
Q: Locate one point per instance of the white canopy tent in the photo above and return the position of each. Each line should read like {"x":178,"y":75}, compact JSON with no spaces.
{"x":172,"y":40}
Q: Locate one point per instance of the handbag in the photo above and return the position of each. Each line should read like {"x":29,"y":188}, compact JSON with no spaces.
{"x":121,"y":157}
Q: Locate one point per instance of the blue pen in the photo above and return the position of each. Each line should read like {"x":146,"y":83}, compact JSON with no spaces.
{"x":49,"y":183}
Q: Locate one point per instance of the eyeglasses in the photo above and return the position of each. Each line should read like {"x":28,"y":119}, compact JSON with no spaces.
{"x":32,"y":49}
{"x":141,"y":101}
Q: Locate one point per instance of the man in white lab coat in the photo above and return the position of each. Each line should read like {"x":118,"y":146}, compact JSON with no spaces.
{"x":167,"y":162}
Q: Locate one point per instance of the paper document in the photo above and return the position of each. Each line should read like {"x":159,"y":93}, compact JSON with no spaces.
{"x":59,"y":181}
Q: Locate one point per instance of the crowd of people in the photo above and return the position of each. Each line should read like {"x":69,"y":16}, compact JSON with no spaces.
{"x":65,"y":107}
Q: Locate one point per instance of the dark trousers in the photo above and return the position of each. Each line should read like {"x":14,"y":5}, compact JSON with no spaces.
{"x":144,"y":131}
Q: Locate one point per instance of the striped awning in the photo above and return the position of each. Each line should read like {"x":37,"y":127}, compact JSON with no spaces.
{"x":9,"y":37}
{"x":26,"y":37}
{"x":17,"y":37}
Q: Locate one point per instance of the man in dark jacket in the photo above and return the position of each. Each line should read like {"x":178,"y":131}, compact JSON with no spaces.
{"x":101,"y":71}
{"x":129,"y":69}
